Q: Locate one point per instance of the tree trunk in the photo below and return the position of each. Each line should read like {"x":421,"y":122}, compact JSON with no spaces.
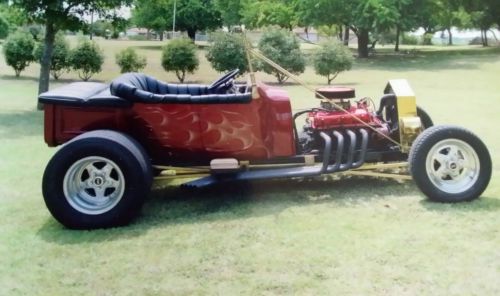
{"x":485,"y":40}
{"x":450,"y":37}
{"x":192,"y":33}
{"x":160,"y":33}
{"x":363,"y":40}
{"x":340,"y":29}
{"x":346,"y":36}
{"x":398,"y":34}
{"x":181,"y":75}
{"x":48,"y":49}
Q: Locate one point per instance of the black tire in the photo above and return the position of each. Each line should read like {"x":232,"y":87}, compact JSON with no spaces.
{"x":430,"y":143}
{"x":425,"y":118}
{"x":118,"y":149}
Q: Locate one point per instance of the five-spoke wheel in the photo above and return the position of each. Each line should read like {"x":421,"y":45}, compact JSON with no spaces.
{"x":99,"y":179}
{"x":450,"y":164}
{"x":94,"y":185}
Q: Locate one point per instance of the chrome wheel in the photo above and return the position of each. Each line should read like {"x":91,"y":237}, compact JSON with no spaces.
{"x":452,"y":166}
{"x":94,"y":185}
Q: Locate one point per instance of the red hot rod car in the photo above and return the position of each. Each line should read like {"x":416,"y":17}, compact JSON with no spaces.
{"x":118,"y":138}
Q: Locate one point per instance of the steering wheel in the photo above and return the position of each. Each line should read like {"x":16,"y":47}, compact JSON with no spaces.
{"x":223,"y":80}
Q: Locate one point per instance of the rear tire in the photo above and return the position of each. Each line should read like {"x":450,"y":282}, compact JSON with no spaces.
{"x":98,"y":180}
{"x":450,"y":164}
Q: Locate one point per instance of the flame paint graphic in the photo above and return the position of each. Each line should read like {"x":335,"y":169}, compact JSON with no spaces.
{"x":216,"y":131}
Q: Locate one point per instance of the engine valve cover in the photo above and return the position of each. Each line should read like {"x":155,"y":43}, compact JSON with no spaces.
{"x":322,"y":120}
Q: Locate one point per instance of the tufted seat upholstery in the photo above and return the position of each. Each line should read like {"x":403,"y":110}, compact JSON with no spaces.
{"x":137,"y":87}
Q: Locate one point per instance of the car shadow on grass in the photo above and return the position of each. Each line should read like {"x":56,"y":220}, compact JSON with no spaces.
{"x":483,"y":204}
{"x":15,"y":125}
{"x":172,"y":206}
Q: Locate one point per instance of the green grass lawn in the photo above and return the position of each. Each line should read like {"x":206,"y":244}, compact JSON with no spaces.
{"x":353,"y":236}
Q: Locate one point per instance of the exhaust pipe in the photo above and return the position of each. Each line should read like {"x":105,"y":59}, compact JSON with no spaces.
{"x":270,"y":173}
{"x":338,"y":155}
{"x":362,"y":152}
{"x":305,"y":171}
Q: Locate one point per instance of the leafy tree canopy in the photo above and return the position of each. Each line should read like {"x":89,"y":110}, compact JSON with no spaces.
{"x":58,"y":15}
{"x":87,"y":58}
{"x":195,"y":15}
{"x":180,"y":56}
{"x":230,"y":11}
{"x":228,"y":52}
{"x":152,"y":14}
{"x":191,"y":15}
{"x":18,"y":51}
{"x":283,"y":48}
{"x":331,"y":58}
{"x":263,"y":13}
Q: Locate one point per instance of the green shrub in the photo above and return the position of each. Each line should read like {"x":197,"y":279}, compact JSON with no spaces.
{"x":409,"y":39}
{"x":283,"y":48}
{"x":427,"y":39}
{"x":18,"y":51}
{"x":87,"y":58}
{"x":180,"y":56}
{"x":4,"y":28}
{"x":331,"y":58}
{"x":60,"y":61}
{"x":228,"y":52}
{"x":129,"y":61}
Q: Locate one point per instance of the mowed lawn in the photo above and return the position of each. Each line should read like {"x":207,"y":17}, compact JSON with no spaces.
{"x":326,"y":236}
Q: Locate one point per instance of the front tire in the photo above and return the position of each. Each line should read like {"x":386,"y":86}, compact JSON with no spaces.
{"x":450,"y":164}
{"x":98,"y":180}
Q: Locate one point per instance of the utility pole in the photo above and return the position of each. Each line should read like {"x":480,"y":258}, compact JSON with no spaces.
{"x":91,"y":23}
{"x":173,"y":21}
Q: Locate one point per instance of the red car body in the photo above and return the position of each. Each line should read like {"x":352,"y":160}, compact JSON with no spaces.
{"x":261,"y":129}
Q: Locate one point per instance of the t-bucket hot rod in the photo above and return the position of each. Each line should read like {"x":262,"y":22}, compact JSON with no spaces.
{"x":118,"y":138}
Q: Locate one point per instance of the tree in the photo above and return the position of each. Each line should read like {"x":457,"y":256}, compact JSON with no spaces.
{"x":4,"y":28}
{"x":408,"y":17}
{"x":228,"y":52}
{"x":332,"y":58}
{"x":119,"y":25}
{"x":14,"y":16}
{"x":153,"y":15}
{"x":101,"y":28}
{"x":283,"y":48}
{"x":257,"y":14}
{"x":191,"y":15}
{"x":195,"y":15}
{"x":87,"y":58}
{"x":363,"y":17}
{"x":180,"y":57}
{"x":60,"y":61}
{"x":18,"y":51}
{"x":484,"y":14}
{"x":230,"y":11}
{"x":58,"y":15}
{"x":130,"y":61}
{"x":448,"y":14}
{"x":371,"y":16}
